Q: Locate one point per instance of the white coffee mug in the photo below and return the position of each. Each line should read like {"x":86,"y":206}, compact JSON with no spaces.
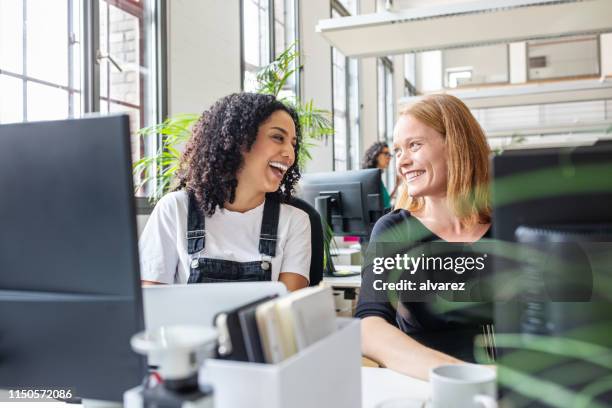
{"x":463,"y":386}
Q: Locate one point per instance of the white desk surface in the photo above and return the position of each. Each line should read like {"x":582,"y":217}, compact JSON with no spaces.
{"x":344,"y":281}
{"x":377,"y":386}
{"x":381,"y":384}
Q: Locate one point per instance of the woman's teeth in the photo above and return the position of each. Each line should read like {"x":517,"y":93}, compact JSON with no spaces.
{"x":411,"y":175}
{"x":278,"y":168}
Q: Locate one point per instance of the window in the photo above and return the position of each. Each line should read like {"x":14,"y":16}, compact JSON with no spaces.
{"x":476,"y":66}
{"x":345,"y":101}
{"x":44,"y":70}
{"x":386,"y":109}
{"x":572,"y":57}
{"x":410,"y":75}
{"x":268,"y":28}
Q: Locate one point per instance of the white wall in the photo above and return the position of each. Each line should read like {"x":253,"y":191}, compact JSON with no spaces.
{"x":518,"y":63}
{"x":317,"y":74}
{"x":203,"y":53}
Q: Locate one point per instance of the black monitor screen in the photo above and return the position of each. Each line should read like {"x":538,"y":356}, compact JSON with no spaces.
{"x":350,"y":201}
{"x":70,"y":294}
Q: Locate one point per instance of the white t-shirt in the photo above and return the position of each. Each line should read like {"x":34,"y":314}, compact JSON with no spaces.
{"x":230,"y":235}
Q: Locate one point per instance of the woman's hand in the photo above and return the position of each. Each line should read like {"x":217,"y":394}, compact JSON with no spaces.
{"x":394,"y":349}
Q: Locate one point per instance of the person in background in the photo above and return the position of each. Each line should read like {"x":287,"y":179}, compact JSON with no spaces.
{"x":228,"y":219}
{"x":378,"y":156}
{"x":442,"y":156}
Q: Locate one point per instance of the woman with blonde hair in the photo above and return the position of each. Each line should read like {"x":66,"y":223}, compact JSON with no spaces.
{"x":442,"y":157}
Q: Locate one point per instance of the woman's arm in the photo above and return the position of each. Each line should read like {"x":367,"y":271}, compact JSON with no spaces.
{"x":293,"y":281}
{"x":297,"y":251}
{"x":389,"y":346}
{"x":157,"y":245}
{"x":150,"y":283}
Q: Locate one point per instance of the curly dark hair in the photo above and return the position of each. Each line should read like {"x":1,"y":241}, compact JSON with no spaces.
{"x":214,"y":153}
{"x":370,"y":157}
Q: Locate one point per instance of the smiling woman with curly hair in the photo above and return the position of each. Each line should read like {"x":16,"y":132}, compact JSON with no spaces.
{"x":228,"y":219}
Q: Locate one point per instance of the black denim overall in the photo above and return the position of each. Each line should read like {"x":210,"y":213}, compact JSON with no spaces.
{"x":208,"y":270}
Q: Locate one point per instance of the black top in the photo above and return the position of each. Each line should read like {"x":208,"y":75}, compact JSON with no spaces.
{"x":451,"y":332}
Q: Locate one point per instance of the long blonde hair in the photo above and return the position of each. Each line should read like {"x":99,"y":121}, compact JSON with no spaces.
{"x":468,"y":157}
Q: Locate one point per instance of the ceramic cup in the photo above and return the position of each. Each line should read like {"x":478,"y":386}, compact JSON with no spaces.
{"x":463,"y":386}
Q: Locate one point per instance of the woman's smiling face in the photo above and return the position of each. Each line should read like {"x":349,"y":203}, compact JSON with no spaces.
{"x":420,"y":153}
{"x":272,"y":154}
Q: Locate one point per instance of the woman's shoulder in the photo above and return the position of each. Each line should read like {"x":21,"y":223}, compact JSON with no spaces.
{"x":175,"y":200}
{"x":293,"y":214}
{"x":392,"y":219}
{"x":400,"y":226}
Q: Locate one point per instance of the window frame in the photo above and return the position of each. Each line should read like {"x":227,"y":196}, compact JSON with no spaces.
{"x":89,"y":86}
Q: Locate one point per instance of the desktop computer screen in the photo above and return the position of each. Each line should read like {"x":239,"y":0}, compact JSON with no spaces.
{"x":70,"y":296}
{"x":555,"y":204}
{"x":350,"y":201}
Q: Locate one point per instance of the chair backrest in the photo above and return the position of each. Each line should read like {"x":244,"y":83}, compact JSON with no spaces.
{"x":316,"y":239}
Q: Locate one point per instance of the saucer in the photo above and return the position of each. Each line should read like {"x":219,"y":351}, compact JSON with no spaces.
{"x":403,"y":403}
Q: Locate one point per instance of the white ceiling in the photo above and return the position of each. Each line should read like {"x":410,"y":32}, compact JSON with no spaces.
{"x":442,"y":24}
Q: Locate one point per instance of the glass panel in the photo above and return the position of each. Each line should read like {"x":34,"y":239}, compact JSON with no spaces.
{"x":281,"y":20}
{"x":46,"y":102}
{"x":563,"y":58}
{"x":11,"y":38}
{"x":256,"y":39}
{"x":127,"y":68}
{"x":350,"y":6}
{"x":75,"y":101}
{"x":137,"y":145}
{"x":475,"y":66}
{"x":353,"y":102}
{"x":75,"y":45}
{"x":11,"y":99}
{"x":340,"y":110}
{"x":47,"y":40}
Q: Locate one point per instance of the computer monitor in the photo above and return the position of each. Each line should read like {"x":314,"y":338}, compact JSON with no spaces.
{"x":70,"y":296}
{"x":558,"y":201}
{"x":349,"y":201}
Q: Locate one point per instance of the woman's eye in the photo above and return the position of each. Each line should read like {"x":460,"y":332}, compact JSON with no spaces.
{"x":279,"y":138}
{"x":415,"y":145}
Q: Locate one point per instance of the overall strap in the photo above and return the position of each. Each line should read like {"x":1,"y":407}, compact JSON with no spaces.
{"x":196,"y":235}
{"x":269,"y":225}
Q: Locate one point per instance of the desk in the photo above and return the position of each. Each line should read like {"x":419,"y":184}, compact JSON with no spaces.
{"x":345,"y":289}
{"x":381,"y":384}
{"x":377,"y":385}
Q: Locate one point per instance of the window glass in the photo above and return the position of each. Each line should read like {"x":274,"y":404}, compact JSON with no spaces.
{"x":475,"y":66}
{"x":11,"y":99}
{"x":46,"y":102}
{"x":47,"y":40}
{"x":11,"y":38}
{"x":256,"y":39}
{"x":127,"y":65}
{"x":563,"y":58}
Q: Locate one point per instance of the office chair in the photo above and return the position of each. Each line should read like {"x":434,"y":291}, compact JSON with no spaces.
{"x":316,"y":239}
